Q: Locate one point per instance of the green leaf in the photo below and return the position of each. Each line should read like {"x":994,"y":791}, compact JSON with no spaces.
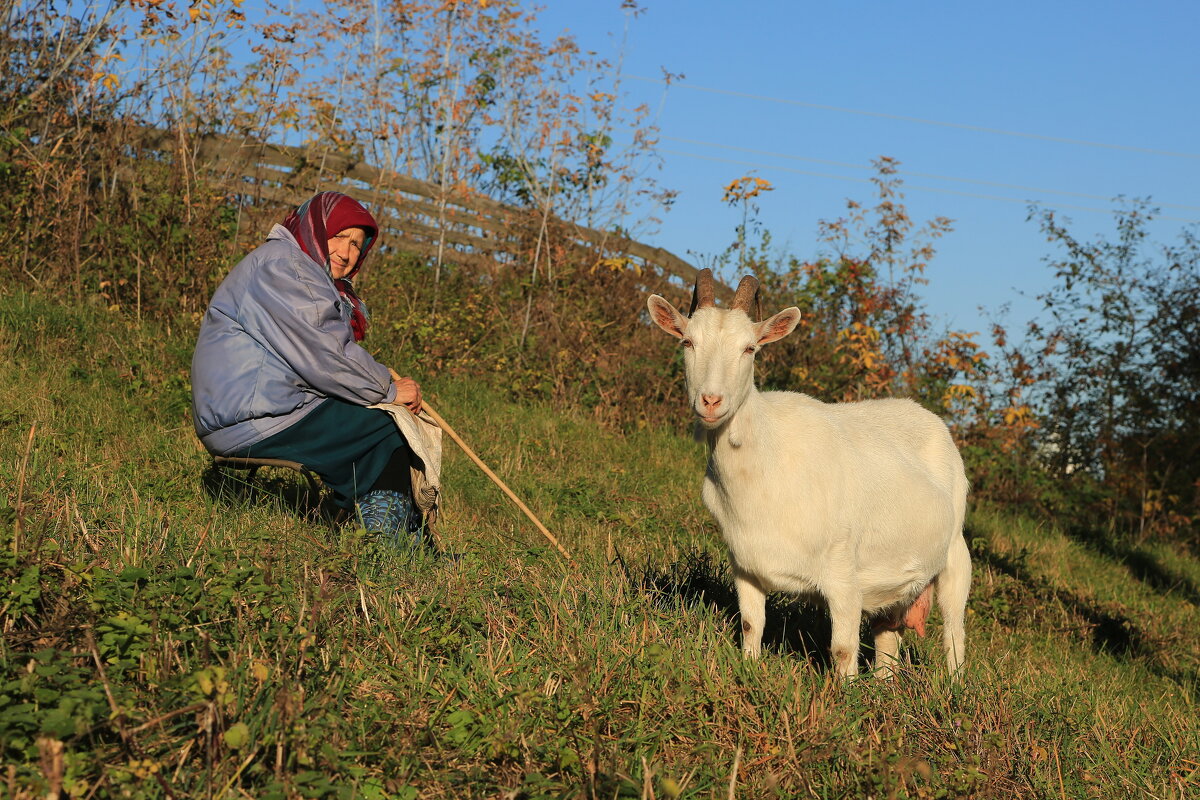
{"x":237,"y":735}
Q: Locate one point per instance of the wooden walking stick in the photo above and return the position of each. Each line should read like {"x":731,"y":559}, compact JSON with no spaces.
{"x":441,"y":423}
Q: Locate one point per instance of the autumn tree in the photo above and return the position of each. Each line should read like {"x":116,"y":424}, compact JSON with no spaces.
{"x":864,"y":331}
{"x":1117,"y":371}
{"x":87,"y":213}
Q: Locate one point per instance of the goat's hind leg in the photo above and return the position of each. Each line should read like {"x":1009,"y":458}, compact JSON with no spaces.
{"x":953,"y":586}
{"x":889,"y":627}
{"x":887,"y":648}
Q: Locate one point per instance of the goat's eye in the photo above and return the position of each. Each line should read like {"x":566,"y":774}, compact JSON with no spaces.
{"x":750,"y":350}
{"x":686,"y":343}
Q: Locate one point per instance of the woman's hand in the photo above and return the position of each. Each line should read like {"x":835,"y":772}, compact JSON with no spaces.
{"x":408,"y":393}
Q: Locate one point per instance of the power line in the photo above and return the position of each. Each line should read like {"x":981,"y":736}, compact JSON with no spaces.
{"x":935,"y":189}
{"x":918,"y":120}
{"x":976,"y":181}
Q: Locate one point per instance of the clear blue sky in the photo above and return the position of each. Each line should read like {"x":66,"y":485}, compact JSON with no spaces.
{"x":988,"y":106}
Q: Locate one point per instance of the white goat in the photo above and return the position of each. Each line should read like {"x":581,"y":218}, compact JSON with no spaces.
{"x":862,"y":503}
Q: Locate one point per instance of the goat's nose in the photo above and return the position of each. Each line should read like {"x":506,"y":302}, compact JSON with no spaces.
{"x":710,"y":401}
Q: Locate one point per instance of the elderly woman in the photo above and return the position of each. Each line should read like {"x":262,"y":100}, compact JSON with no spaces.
{"x":278,"y":371}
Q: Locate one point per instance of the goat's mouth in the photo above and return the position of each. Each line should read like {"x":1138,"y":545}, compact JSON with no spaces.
{"x":711,"y":421}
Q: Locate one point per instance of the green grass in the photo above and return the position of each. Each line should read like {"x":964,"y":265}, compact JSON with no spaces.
{"x":159,"y":641}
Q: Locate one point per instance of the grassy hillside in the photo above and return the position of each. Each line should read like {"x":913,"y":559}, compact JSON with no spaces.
{"x":165,"y":635}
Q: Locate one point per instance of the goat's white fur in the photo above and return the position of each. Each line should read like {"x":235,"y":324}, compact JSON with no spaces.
{"x":862,"y":503}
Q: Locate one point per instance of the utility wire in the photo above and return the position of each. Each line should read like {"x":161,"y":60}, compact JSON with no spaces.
{"x":917,"y":120}
{"x":976,"y":181}
{"x":907,"y":186}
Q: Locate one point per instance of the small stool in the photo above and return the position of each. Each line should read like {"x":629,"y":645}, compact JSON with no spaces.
{"x":253,"y":465}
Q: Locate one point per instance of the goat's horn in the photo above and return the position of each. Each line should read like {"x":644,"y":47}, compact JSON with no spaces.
{"x":703,"y":291}
{"x":746,"y":295}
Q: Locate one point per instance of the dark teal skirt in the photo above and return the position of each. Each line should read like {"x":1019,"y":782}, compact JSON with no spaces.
{"x":348,"y":446}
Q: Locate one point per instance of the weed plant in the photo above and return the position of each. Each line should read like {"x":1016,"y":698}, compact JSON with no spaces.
{"x":170,"y":634}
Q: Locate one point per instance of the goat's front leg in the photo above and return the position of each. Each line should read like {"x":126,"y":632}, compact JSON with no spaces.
{"x":845,"y":614}
{"x":752,"y":604}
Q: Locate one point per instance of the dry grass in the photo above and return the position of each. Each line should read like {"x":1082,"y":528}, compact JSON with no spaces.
{"x":245,"y":651}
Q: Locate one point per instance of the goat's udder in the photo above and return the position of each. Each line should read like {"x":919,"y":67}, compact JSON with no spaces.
{"x":912,"y":617}
{"x":918,"y":612}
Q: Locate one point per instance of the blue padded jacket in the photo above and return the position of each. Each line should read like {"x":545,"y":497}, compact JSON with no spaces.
{"x":274,"y":343}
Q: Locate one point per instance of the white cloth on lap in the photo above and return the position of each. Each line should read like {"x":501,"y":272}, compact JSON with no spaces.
{"x":424,"y":438}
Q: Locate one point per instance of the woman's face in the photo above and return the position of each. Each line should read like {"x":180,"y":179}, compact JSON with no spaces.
{"x":344,"y":250}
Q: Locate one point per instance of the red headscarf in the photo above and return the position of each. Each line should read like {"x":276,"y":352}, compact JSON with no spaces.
{"x":322,"y":217}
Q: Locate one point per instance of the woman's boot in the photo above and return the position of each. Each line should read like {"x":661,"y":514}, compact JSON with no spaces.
{"x":392,"y":516}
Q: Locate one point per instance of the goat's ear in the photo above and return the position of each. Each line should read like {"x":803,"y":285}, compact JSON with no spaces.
{"x":666,"y":317}
{"x":778,"y":326}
